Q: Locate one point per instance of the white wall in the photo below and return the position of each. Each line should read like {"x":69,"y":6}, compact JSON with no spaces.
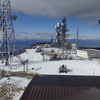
{"x":82,"y":53}
{"x":74,"y":46}
{"x":85,"y":53}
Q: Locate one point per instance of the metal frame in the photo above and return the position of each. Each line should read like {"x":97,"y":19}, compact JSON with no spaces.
{"x":8,"y":46}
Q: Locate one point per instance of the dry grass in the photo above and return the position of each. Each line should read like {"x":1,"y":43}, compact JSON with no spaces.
{"x":23,"y":74}
{"x":8,"y":91}
{"x":48,"y":54}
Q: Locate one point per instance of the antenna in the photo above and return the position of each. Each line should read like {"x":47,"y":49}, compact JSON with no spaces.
{"x":77,"y":41}
{"x":8,"y":47}
{"x":58,"y":39}
{"x":61,"y":34}
{"x":63,"y":30}
{"x":51,"y":39}
{"x":99,"y":21}
{"x":57,"y":15}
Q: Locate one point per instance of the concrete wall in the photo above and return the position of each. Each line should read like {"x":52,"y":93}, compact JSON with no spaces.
{"x":82,"y":53}
{"x":88,"y":53}
{"x":74,"y":46}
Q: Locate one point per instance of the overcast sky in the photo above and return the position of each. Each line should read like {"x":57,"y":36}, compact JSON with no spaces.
{"x":84,"y":9}
{"x":41,"y":16}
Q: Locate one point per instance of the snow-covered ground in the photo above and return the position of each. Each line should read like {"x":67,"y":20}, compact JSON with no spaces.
{"x":75,"y":67}
{"x":12,"y":88}
{"x":37,"y":65}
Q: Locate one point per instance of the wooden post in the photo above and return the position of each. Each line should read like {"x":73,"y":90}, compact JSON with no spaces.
{"x":25,"y":62}
{"x":27,"y":65}
{"x":24,"y":68}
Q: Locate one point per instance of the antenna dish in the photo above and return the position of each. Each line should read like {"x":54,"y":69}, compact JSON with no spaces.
{"x":56,"y":34}
{"x":99,"y":21}
{"x":14,"y":17}
{"x":62,"y":24}
{"x":58,"y":25}
{"x":55,"y":26}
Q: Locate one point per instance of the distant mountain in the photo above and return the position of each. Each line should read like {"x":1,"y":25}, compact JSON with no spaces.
{"x":27,"y":43}
{"x":88,"y":43}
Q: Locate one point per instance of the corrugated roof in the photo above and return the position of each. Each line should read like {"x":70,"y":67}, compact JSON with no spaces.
{"x":63,"y":87}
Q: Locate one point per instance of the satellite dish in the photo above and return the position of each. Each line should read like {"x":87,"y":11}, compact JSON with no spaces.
{"x":62,"y":24}
{"x":56,"y":33}
{"x":58,"y":24}
{"x":55,"y":26}
{"x":14,"y":17}
{"x":99,"y":21}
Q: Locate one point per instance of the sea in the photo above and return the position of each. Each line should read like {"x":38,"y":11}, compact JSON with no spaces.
{"x":86,"y":43}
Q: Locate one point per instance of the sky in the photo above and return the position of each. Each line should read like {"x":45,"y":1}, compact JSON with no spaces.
{"x":36,"y":19}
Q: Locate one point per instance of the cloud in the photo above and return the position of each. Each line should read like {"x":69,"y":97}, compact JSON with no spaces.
{"x":20,"y":32}
{"x":34,"y":36}
{"x":84,"y":37}
{"x":43,"y":36}
{"x":94,"y":24}
{"x":84,"y":9}
{"x":19,"y":35}
{"x":47,"y":36}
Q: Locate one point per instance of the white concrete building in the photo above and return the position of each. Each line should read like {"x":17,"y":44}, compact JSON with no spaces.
{"x":88,"y":53}
{"x":73,"y":46}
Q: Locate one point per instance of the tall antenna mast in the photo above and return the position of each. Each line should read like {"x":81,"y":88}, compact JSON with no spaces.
{"x":58,"y":39}
{"x":63,"y":30}
{"x":77,"y":42}
{"x":6,"y":26}
{"x":61,"y":34}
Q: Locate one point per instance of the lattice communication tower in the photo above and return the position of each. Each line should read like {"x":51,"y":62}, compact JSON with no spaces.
{"x":61,"y":33}
{"x":7,"y":45}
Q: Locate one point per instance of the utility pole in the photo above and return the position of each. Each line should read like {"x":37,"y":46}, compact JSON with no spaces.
{"x":63,"y":30}
{"x":77,"y":41}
